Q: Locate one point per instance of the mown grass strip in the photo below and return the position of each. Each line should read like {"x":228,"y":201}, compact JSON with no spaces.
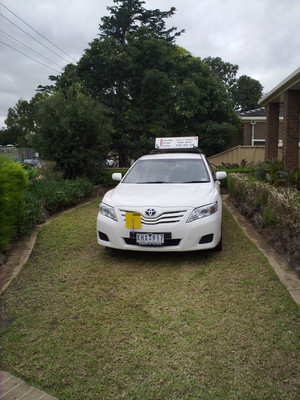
{"x":83,"y":322}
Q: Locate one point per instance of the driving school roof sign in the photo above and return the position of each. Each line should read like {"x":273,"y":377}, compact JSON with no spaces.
{"x":189,"y":142}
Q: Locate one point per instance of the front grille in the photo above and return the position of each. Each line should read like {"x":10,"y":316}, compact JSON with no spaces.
{"x":168,"y":217}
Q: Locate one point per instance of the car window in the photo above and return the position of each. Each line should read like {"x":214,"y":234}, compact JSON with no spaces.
{"x":168,"y":171}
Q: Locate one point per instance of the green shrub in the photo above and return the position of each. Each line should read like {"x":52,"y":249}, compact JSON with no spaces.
{"x":236,"y":186}
{"x":235,"y":170}
{"x":57,"y":195}
{"x":32,"y":173}
{"x":13,"y":182}
{"x":49,"y":171}
{"x":224,"y":182}
{"x":269,"y":217}
{"x":277,"y":204}
{"x":34,"y":214}
{"x":230,"y":183}
{"x":273,"y":172}
{"x":45,"y":197}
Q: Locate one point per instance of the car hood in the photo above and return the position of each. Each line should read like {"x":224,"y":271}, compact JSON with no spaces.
{"x":162,"y":195}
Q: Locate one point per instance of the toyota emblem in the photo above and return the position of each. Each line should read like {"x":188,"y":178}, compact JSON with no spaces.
{"x":150,"y":212}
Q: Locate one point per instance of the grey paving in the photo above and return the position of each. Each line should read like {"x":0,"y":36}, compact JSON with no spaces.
{"x":13,"y":388}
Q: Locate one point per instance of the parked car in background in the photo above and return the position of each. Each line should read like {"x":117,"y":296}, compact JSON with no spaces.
{"x":167,"y":201}
{"x":32,"y":162}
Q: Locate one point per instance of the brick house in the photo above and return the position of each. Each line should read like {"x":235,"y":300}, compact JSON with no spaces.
{"x":286,"y":95}
{"x":254,"y":131}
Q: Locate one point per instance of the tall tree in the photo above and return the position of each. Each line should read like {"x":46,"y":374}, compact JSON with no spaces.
{"x":127,"y":17}
{"x":66,"y":79}
{"x":73,"y":130}
{"x":246,"y":93}
{"x":149,"y":85}
{"x":20,"y":122}
{"x":106,"y":69}
{"x":152,"y":87}
{"x":224,"y":70}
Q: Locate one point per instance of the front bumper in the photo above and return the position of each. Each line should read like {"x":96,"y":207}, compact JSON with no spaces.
{"x":201,"y":234}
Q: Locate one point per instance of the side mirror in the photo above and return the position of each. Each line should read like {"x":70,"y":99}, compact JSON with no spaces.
{"x":116,"y":176}
{"x":221,"y":175}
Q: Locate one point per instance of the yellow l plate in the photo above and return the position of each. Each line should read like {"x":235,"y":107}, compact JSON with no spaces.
{"x":133,"y":220}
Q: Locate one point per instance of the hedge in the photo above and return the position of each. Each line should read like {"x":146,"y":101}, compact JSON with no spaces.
{"x":45,"y":197}
{"x":13,"y":183}
{"x":280,"y":205}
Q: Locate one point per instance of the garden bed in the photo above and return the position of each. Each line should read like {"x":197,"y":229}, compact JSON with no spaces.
{"x":274,"y":211}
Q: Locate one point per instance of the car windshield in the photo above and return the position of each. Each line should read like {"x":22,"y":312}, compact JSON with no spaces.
{"x":168,"y":171}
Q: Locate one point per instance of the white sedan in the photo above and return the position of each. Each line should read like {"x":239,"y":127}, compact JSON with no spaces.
{"x":165,"y":202}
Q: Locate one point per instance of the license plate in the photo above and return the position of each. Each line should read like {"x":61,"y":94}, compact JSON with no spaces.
{"x":150,"y":238}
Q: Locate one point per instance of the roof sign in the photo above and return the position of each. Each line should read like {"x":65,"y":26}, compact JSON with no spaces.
{"x":189,"y":142}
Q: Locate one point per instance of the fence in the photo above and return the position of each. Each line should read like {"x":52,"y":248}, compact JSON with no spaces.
{"x":20,"y":154}
{"x":249,"y":154}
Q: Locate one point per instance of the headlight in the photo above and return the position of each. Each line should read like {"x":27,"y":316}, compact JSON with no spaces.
{"x":108,"y":211}
{"x":203,"y":211}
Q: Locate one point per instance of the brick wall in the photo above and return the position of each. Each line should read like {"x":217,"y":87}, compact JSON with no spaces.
{"x":291,"y":123}
{"x":272,"y":131}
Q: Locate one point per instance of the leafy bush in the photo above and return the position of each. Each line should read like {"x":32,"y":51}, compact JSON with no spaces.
{"x":13,"y":182}
{"x":34,"y":213}
{"x":224,"y":182}
{"x":283,"y":201}
{"x":273,"y":171}
{"x":269,"y":217}
{"x":235,"y":170}
{"x":32,"y":173}
{"x":45,"y":197}
{"x":73,"y":130}
{"x":274,"y":210}
{"x":57,"y":195}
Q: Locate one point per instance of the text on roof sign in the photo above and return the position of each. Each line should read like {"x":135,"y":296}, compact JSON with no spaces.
{"x":189,"y":142}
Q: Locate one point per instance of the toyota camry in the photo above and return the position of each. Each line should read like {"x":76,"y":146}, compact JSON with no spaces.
{"x":167,"y":201}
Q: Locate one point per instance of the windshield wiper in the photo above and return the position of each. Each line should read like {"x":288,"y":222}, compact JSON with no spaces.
{"x":151,"y":182}
{"x":194,"y":181}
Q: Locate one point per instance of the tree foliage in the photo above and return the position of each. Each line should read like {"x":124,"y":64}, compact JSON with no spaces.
{"x":20,"y":122}
{"x":224,"y":70}
{"x":148,"y":86}
{"x":244,"y":91}
{"x":13,"y":182}
{"x":153,"y":87}
{"x":72,"y":130}
{"x":129,"y":15}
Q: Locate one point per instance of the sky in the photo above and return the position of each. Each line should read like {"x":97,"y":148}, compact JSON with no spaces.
{"x":261,"y":36}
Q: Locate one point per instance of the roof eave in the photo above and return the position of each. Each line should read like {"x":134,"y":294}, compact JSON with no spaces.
{"x":275,"y":95}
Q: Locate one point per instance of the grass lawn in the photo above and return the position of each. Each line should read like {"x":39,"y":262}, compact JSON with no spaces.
{"x":86,"y":323}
